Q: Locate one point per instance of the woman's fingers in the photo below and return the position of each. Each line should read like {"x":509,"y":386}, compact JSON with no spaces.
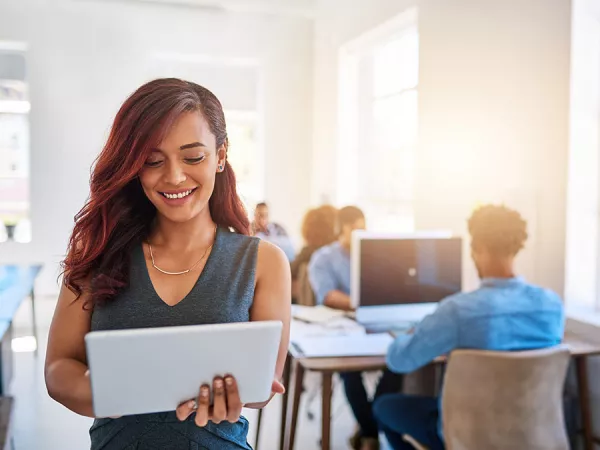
{"x":219,"y":412}
{"x":226,"y":403}
{"x":203,"y":405}
{"x":234,"y":404}
{"x":184,"y":410}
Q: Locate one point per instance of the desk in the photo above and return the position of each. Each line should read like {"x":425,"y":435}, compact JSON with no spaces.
{"x":16,"y":284}
{"x":296,"y":365}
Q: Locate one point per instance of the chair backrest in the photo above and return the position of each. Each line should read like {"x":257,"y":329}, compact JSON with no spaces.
{"x":304,"y":294}
{"x":505,"y":400}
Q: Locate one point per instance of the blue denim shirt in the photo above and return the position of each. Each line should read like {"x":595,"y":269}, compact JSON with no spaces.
{"x":503,"y":314}
{"x":329,"y":270}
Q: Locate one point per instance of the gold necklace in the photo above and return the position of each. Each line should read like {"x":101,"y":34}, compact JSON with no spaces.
{"x":185,"y":271}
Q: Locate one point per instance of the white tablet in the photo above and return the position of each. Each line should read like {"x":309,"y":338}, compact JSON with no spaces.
{"x":150,"y":370}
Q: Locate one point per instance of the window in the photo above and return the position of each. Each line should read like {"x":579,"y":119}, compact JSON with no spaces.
{"x":378,"y":108}
{"x":582,"y":271}
{"x":14,"y":145}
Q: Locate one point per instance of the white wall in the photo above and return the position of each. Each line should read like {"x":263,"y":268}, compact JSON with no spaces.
{"x":493,"y":113}
{"x":494,"y":102}
{"x":86,"y":57}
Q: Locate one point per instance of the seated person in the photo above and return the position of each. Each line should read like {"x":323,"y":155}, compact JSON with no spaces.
{"x":318,"y":230}
{"x":329,"y":274}
{"x":506,"y":314}
{"x":271,"y":231}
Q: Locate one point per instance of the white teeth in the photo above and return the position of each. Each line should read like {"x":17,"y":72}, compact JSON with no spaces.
{"x":180,"y":195}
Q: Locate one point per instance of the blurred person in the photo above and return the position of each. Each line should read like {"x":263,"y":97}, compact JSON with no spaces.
{"x":271,"y":231}
{"x":506,"y":314}
{"x":329,"y":273}
{"x":318,"y":230}
{"x":163,"y":241}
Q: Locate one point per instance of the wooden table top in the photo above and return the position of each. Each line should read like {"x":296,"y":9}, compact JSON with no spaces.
{"x":578,"y":346}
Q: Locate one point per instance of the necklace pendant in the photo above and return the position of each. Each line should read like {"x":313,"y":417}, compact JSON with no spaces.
{"x":170,"y":273}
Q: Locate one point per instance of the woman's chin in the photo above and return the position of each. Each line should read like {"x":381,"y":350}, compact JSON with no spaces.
{"x":181,"y":215}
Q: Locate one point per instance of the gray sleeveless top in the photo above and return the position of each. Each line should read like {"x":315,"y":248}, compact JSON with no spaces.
{"x":223,"y":293}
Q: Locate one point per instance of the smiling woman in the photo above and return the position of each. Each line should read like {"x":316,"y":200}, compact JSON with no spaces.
{"x":163,"y":241}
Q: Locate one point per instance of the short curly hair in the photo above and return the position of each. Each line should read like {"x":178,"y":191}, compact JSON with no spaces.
{"x":498,"y":229}
{"x":318,"y":226}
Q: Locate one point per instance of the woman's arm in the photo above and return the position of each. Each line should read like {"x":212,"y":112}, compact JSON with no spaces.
{"x":66,"y":364}
{"x":272,"y":298}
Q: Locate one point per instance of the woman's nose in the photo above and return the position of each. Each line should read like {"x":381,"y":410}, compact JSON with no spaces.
{"x":175,"y":174}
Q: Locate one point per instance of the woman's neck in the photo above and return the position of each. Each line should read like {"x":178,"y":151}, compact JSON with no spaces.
{"x":195,"y":233}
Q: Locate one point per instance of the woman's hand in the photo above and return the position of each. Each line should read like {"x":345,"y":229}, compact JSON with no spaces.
{"x":226,"y":406}
{"x":226,"y":403}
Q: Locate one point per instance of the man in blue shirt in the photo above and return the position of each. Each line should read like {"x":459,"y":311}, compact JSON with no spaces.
{"x":329,"y":275}
{"x":505,"y":313}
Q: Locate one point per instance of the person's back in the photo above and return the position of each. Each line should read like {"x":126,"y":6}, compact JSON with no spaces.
{"x":504,"y":314}
{"x":508,"y":314}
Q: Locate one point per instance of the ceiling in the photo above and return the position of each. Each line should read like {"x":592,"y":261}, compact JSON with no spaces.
{"x":300,"y":8}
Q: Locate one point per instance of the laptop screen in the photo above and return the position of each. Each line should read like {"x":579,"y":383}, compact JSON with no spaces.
{"x":403,"y":271}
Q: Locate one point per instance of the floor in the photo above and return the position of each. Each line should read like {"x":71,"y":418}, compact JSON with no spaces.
{"x":41,"y":423}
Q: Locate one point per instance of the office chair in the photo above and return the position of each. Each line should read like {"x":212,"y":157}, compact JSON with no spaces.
{"x":505,"y":400}
{"x":304,"y":294}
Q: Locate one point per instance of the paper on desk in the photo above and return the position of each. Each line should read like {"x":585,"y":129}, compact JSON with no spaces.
{"x":316,"y":314}
{"x":338,"y":327}
{"x":349,"y":345}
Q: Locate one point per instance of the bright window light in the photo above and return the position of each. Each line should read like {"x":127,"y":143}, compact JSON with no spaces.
{"x":24,"y":344}
{"x":377,"y":133}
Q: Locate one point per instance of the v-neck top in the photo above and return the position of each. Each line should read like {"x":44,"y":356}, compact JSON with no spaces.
{"x":223,"y":293}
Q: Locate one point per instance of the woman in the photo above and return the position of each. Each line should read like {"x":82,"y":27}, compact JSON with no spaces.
{"x":163,"y":241}
{"x":318,"y":230}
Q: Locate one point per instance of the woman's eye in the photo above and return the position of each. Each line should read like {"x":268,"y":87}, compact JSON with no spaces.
{"x":153,"y":163}
{"x":194,"y":160}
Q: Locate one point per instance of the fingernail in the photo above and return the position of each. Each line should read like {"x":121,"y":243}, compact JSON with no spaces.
{"x":204,"y":392}
{"x":218,"y":384}
{"x":228,"y":381}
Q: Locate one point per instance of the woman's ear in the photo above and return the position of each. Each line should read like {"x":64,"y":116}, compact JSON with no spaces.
{"x":221,"y":158}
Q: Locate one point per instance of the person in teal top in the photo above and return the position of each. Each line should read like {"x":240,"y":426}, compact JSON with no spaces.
{"x":506,"y":314}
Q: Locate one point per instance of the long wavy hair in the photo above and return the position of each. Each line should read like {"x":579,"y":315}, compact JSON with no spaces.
{"x":118,"y":215}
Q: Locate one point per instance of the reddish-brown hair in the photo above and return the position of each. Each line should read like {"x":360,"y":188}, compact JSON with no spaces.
{"x":118,"y":215}
{"x":318,"y":226}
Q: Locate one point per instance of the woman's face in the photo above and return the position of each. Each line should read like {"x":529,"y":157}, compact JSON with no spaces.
{"x":179,"y":175}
